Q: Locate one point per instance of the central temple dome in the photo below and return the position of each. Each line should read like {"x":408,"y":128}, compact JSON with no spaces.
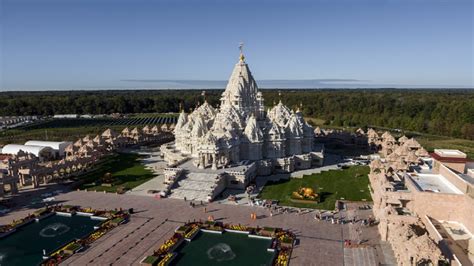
{"x":242,"y":92}
{"x":240,"y":129}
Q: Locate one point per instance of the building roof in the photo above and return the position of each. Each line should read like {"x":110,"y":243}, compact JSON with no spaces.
{"x":448,"y":159}
{"x":52,"y":144}
{"x":15,"y":148}
{"x":450,"y":153}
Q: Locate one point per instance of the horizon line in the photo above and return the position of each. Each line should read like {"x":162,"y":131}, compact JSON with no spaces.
{"x":207,"y":88}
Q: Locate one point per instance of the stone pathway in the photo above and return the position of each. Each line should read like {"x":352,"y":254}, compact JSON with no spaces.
{"x":155,"y":163}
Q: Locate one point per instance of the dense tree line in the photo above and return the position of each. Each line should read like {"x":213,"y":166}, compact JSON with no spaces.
{"x":441,"y":112}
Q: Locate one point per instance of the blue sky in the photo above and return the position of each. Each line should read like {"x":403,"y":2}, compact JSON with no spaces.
{"x":69,"y":44}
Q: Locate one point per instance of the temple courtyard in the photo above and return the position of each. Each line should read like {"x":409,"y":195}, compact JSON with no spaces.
{"x":154,"y":221}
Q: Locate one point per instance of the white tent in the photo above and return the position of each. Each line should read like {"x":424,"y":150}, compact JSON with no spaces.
{"x":38,"y":151}
{"x":57,"y":146}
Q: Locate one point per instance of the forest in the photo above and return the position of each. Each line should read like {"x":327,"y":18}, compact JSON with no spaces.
{"x":448,"y":112}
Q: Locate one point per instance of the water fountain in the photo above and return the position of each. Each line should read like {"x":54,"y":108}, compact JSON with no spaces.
{"x":54,"y":230}
{"x":29,"y":244}
{"x":221,"y":252}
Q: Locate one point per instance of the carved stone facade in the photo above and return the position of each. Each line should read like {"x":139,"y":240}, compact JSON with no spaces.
{"x":242,"y":130}
{"x":417,"y":198}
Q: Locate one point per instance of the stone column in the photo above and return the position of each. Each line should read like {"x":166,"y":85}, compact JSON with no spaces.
{"x":22,"y":179}
{"x":202,"y":162}
{"x":35,"y":181}
{"x":214,"y":162}
{"x":13,"y":187}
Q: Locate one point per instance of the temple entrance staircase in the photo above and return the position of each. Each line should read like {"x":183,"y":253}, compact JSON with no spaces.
{"x":196,"y":186}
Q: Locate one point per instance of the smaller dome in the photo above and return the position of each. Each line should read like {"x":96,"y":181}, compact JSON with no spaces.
{"x":371,"y":133}
{"x":209,"y":139}
{"x":79,"y":143}
{"x":412,"y":143}
{"x":252,"y":131}
{"x":199,"y":128}
{"x":275,"y":132}
{"x":206,"y":111}
{"x":280,"y":113}
{"x":293,"y":128}
{"x":402,"y":139}
{"x":109,"y":133}
{"x":182,"y":120}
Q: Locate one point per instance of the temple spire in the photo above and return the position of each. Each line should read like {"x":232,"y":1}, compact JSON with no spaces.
{"x":241,"y":48}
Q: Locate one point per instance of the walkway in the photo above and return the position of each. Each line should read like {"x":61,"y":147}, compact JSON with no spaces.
{"x":330,"y":163}
{"x":155,"y":163}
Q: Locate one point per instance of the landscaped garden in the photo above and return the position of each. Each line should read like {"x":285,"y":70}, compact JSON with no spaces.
{"x":117,"y":173}
{"x":329,"y":186}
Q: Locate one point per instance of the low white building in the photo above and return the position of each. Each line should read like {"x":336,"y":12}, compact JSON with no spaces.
{"x":41,"y":152}
{"x":57,"y":146}
{"x":66,"y":116}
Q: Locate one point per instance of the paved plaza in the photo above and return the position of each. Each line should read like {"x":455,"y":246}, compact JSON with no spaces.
{"x":154,"y":221}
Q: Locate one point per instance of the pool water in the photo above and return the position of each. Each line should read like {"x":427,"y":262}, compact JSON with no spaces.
{"x":25,"y":246}
{"x":227,"y":249}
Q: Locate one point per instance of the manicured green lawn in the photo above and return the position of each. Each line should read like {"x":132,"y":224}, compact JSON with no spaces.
{"x":350,"y":184}
{"x":126,"y":170}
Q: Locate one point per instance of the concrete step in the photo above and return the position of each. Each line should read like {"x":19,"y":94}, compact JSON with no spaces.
{"x":362,"y":256}
{"x":195,"y":186}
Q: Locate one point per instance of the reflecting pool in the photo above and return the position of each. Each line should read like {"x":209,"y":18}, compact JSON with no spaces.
{"x":227,"y":249}
{"x":25,"y":246}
